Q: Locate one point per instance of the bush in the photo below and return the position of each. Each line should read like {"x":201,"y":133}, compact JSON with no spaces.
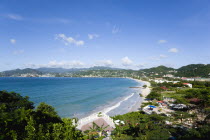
{"x":144,"y":86}
{"x":18,"y":120}
{"x":154,"y":95}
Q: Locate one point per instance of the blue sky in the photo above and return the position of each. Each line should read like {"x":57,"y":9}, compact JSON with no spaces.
{"x":118,"y":33}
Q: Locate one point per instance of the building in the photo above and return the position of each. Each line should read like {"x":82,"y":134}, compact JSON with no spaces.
{"x":188,"y":84}
{"x":188,"y":79}
{"x":169,"y":75}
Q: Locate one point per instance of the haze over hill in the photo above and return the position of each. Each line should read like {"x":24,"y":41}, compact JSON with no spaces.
{"x":192,"y":70}
{"x":63,"y":70}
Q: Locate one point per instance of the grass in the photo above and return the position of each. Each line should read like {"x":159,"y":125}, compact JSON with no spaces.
{"x":171,"y":94}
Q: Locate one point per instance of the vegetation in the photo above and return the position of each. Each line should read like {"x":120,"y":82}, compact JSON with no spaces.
{"x":141,"y":126}
{"x":95,"y":131}
{"x":188,"y":123}
{"x":19,"y":120}
{"x":160,"y":70}
{"x":19,"y":72}
{"x":200,"y":84}
{"x":144,"y":86}
{"x":154,"y":95}
{"x":193,"y":70}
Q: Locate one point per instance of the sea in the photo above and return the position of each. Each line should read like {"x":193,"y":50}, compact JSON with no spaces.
{"x":77,"y":97}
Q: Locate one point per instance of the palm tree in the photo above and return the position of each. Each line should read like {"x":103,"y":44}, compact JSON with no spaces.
{"x":207,"y":119}
{"x":181,"y":116}
{"x":97,"y":128}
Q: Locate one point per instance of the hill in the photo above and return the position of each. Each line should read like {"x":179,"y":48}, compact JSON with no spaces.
{"x":44,"y":70}
{"x":56,"y":70}
{"x":158,"y":71}
{"x":194,"y":70}
{"x":19,"y":72}
{"x":63,"y":70}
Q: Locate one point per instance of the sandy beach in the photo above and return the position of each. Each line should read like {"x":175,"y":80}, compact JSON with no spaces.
{"x":144,"y":92}
{"x":133,"y":108}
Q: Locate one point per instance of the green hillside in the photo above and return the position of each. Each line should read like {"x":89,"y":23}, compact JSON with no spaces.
{"x":194,"y":70}
{"x":18,"y":72}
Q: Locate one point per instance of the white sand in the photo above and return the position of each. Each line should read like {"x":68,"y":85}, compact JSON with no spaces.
{"x":144,"y":92}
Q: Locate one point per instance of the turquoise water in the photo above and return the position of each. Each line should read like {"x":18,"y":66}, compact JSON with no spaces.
{"x":76,"y":97}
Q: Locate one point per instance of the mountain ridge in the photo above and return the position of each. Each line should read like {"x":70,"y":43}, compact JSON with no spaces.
{"x":191,"y":70}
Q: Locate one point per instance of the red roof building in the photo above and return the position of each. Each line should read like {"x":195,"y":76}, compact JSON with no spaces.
{"x":164,"y":88}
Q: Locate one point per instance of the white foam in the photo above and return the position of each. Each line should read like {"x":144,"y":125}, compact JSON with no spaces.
{"x":108,"y":109}
{"x":105,"y":111}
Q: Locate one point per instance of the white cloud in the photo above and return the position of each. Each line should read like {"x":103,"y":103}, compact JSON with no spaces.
{"x":75,"y":64}
{"x":14,"y":17}
{"x":65,"y":64}
{"x":173,"y":50}
{"x":47,"y":20}
{"x":18,"y":52}
{"x":58,"y":64}
{"x":162,"y":41}
{"x":141,"y":65}
{"x":156,"y":58}
{"x":115,"y":30}
{"x":126,"y":61}
{"x":106,"y":63}
{"x":13,"y":41}
{"x":69,"y":40}
{"x":92,"y":36}
{"x":162,"y":56}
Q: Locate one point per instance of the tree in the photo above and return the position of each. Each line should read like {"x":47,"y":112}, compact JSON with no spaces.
{"x":144,"y":86}
{"x":14,"y":109}
{"x":66,"y":130}
{"x":97,"y":128}
{"x":181,"y":116}
{"x":13,"y":101}
{"x":47,"y":109}
{"x":154,"y":95}
{"x":18,"y":120}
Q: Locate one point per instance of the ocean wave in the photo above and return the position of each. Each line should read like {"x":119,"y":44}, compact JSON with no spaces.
{"x":106,"y":110}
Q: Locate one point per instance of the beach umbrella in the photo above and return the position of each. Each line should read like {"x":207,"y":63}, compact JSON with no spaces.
{"x":152,"y":106}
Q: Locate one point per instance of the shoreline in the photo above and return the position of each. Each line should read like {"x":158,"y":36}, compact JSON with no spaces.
{"x":144,"y":92}
{"x":128,"y":102}
{"x":133,"y":108}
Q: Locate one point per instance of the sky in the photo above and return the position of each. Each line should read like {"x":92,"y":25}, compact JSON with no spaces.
{"x":131,"y":34}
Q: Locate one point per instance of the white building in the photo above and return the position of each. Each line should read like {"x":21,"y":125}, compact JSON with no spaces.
{"x":168,"y":75}
{"x":187,"y":79}
{"x":188,"y":84}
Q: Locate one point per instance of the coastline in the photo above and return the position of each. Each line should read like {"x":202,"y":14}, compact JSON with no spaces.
{"x":133,"y":107}
{"x":128,"y":102}
{"x":144,"y":92}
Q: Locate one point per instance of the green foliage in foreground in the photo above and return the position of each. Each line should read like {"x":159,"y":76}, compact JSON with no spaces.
{"x":19,"y":120}
{"x":141,"y":126}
